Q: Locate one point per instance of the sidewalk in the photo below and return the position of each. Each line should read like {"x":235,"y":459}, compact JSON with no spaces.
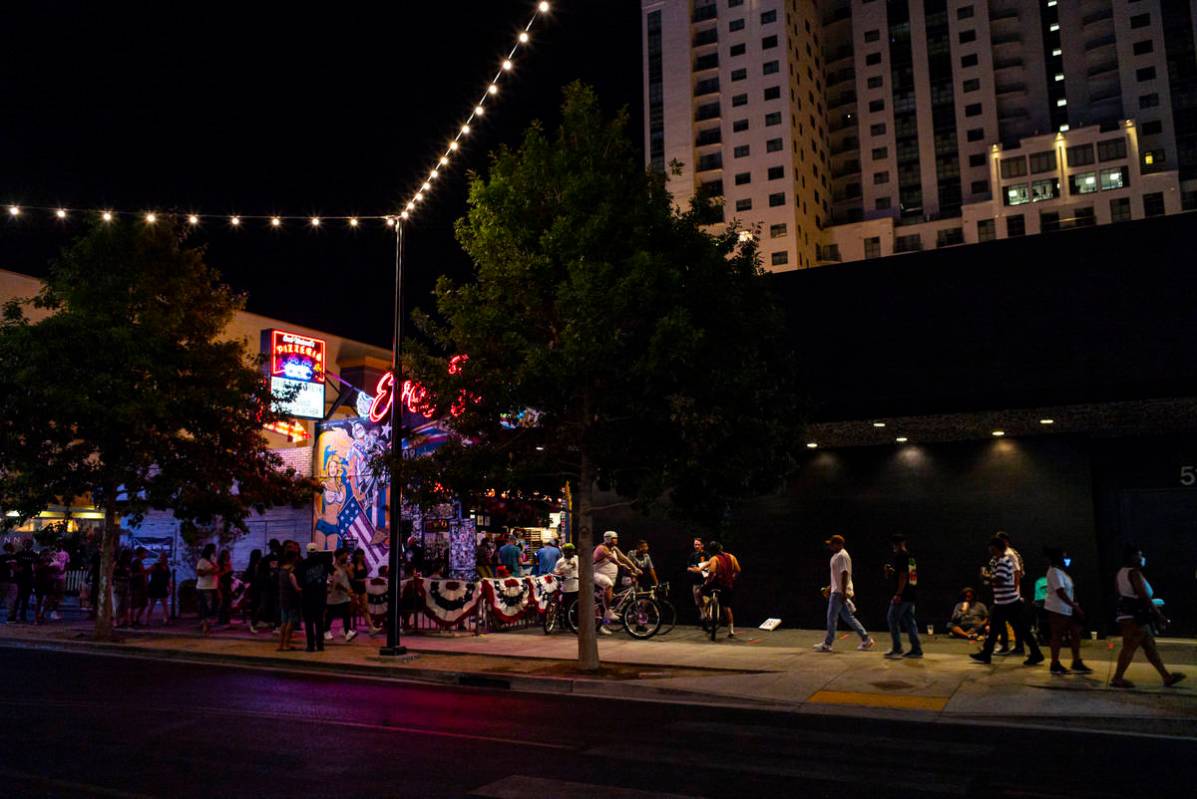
{"x":777,"y":670}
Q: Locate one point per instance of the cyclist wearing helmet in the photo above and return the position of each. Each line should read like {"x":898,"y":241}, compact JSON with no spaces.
{"x":607,"y":560}
{"x":566,"y":570}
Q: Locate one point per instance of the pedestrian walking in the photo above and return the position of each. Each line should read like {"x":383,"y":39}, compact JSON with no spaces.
{"x":1020,"y":570}
{"x":1064,"y":614}
{"x":313,"y":584}
{"x":340,"y":598}
{"x":207,"y":585}
{"x":1007,"y":606}
{"x":8,"y":584}
{"x":159,"y":587}
{"x":839,"y":597}
{"x":43,"y":585}
{"x":288,"y":600}
{"x":59,"y":559}
{"x":138,"y":587}
{"x":904,"y":574}
{"x":1139,"y":617}
{"x":268,"y":582}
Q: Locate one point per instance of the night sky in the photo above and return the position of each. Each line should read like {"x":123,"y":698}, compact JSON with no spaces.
{"x":258,"y":108}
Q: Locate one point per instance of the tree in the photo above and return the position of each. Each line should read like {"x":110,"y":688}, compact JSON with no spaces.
{"x":611,"y":341}
{"x":128,"y":393}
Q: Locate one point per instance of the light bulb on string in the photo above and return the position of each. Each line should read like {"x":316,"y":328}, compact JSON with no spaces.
{"x":193,"y":219}
{"x":432,"y":175}
{"x":492,"y":89}
{"x":543,"y":7}
{"x":419,"y":197}
{"x":14,"y":210}
{"x":353,"y":221}
{"x":61,"y":213}
{"x":315,"y":221}
{"x":426,"y":187}
{"x":276,"y":222}
{"x":151,"y":218}
{"x":479,"y":110}
{"x":411,"y":205}
{"x":235,"y":221}
{"x":524,"y":37}
{"x":106,"y":216}
{"x":444,"y":160}
{"x":465,"y":130}
{"x":507,"y":65}
{"x":404,"y":215}
{"x":453,"y":146}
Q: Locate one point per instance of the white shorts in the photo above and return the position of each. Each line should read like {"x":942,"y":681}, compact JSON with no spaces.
{"x":603,"y":581}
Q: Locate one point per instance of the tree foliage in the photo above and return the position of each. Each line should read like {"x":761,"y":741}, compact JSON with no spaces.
{"x":128,"y":392}
{"x":611,"y":340}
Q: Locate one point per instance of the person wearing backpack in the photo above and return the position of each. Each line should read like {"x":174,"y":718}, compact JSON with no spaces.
{"x":724,"y":570}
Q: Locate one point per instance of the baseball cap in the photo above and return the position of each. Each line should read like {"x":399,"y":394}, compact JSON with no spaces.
{"x":835,"y":539}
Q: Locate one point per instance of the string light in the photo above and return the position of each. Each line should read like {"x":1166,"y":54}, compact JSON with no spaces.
{"x":151,"y":218}
{"x":492,"y":89}
{"x":479,"y":110}
{"x":276,"y":222}
{"x":106,"y":216}
{"x":193,"y":220}
{"x":315,"y":221}
{"x":14,"y":210}
{"x":61,"y":213}
{"x":524,"y":37}
{"x":235,"y":221}
{"x":507,"y":65}
{"x":353,"y":221}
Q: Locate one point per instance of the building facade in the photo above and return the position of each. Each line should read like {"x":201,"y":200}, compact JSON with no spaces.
{"x":897,"y":114}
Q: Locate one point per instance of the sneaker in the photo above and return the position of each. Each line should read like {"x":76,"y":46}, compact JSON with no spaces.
{"x":822,"y":647}
{"x":1003,"y":651}
{"x":611,"y":616}
{"x":349,"y":636}
{"x":1034,"y":660}
{"x":980,"y":657}
{"x":605,"y":631}
{"x":1121,"y":684}
{"x":913,"y":655}
{"x":54,"y":616}
{"x":867,"y":644}
{"x":731,"y":635}
{"x":893,"y":654}
{"x":253,"y":630}
{"x":1173,"y":679}
{"x":1058,"y":668}
{"x":328,"y":636}
{"x":1080,"y":668}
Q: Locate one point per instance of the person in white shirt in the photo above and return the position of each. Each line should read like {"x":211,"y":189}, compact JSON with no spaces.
{"x":1064,"y":613}
{"x":207,"y":575}
{"x":566,"y":570}
{"x":839,"y":597}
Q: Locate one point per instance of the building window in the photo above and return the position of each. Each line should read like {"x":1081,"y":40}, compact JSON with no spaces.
{"x":972,"y":110}
{"x":872,"y":59}
{"x":1153,"y":204}
{"x":876,"y":82}
{"x":709,"y":61}
{"x":972,"y":85}
{"x":739,"y":125}
{"x":1049,"y":221}
{"x":773,"y":93}
{"x":734,"y":3}
{"x":772,"y":119}
{"x":964,"y":12}
{"x":876,"y":105}
{"x":706,"y":86}
{"x":776,"y":173}
{"x":778,"y":231}
{"x":735,"y":25}
{"x":1154,"y":158}
{"x":1120,"y":210}
{"x":777,"y":199}
{"x":968,"y":36}
{"x":1146,"y":73}
{"x":739,"y":49}
{"x":1144,"y":47}
{"x":872,"y":247}
{"x":743,"y":177}
{"x":744,"y":205}
{"x":779,"y":258}
{"x":1082,"y":183}
{"x":768,"y":16}
{"x":656,"y":93}
{"x":1014,"y":167}
{"x":986,"y":230}
{"x":1080,"y":155}
{"x":742,"y":151}
{"x":1016,"y":194}
{"x":739,"y":100}
{"x":872,"y":36}
{"x":1140,"y":20}
{"x":880,"y":177}
{"x":877,"y":129}
{"x":975,"y":134}
{"x":976,"y":159}
{"x":979,"y":187}
{"x":1016,"y":225}
{"x":1045,"y":189}
{"x":969,"y":60}
{"x":1152,"y":128}
{"x":882,"y":203}
{"x":1113,"y":179}
{"x":911,"y":243}
{"x":771,"y":68}
{"x":1043,"y":162}
{"x":773,"y":146}
{"x":880,"y":152}
{"x":1084,"y":217}
{"x":949,"y":236}
{"x":1149,"y":100}
{"x":739,"y":74}
{"x":768,"y":43}
{"x":1111,"y":149}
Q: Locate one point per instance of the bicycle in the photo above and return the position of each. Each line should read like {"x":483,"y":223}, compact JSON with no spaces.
{"x":712,"y":614}
{"x":555,"y":617}
{"x":660,"y":592}
{"x":638,"y":610}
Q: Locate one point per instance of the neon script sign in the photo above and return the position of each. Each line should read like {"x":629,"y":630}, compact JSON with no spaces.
{"x":413,"y":396}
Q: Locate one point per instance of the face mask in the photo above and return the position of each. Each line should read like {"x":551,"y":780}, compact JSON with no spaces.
{"x":1067,"y":562}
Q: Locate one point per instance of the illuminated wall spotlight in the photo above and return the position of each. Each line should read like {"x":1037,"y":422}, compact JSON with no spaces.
{"x":998,"y":433}
{"x":276,"y":222}
{"x":1047,"y":421}
{"x":901,"y":439}
{"x":192,"y":219}
{"x":878,"y":424}
{"x":812,"y":445}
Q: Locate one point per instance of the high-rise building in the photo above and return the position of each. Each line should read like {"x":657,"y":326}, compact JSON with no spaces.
{"x":859,"y":128}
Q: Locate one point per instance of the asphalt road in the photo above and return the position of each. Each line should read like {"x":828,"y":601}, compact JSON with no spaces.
{"x":76,"y":725}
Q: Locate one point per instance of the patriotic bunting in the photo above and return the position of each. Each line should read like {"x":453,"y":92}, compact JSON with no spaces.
{"x":507,"y":598}
{"x":447,"y":602}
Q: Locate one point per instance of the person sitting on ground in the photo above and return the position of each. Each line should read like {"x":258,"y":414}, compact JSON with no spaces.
{"x":970,"y":618}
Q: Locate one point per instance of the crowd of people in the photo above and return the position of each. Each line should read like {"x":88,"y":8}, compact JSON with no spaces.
{"x":1062,"y":617}
{"x":32,"y":579}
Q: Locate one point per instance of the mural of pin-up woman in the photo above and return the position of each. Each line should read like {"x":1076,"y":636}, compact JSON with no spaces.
{"x":332,"y":499}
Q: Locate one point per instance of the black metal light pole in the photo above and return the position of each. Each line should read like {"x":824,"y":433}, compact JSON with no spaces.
{"x":394,"y":618}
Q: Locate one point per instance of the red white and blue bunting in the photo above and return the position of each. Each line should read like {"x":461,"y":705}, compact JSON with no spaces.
{"x":447,"y":602}
{"x":507,"y":598}
{"x":543,"y":588}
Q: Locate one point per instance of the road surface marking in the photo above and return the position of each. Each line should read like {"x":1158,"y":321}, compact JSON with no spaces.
{"x":520,"y":787}
{"x":73,"y":788}
{"x":863,"y":699}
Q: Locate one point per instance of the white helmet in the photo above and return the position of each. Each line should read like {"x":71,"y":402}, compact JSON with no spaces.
{"x":607,"y":536}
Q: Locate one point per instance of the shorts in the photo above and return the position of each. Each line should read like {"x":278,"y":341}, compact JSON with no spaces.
{"x":603,"y":581}
{"x":289,"y":616}
{"x":206,"y":601}
{"x":727,"y":596}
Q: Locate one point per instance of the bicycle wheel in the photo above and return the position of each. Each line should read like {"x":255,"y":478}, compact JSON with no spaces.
{"x":552,"y":617}
{"x":668,"y":616}
{"x":713,"y":609}
{"x":571,"y":616}
{"x":642,"y":617}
